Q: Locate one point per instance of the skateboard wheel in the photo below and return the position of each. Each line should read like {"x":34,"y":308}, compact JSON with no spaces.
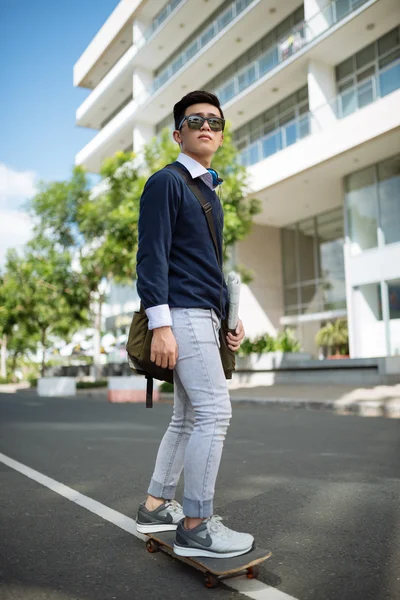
{"x":152,"y":546}
{"x":211,"y":581}
{"x":253,"y":572}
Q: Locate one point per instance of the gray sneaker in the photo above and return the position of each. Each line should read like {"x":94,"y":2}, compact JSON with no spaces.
{"x":212,"y":539}
{"x":165,"y":518}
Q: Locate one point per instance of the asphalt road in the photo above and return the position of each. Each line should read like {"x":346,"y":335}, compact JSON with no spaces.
{"x":321,"y":491}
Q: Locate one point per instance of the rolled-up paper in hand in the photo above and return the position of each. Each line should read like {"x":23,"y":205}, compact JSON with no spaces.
{"x":234,"y":297}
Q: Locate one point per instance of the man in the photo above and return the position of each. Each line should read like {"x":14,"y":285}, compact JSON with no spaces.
{"x":183,"y":291}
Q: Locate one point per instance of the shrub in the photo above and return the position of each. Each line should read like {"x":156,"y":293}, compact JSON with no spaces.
{"x":85,"y":385}
{"x":287,"y":342}
{"x":167,"y":388}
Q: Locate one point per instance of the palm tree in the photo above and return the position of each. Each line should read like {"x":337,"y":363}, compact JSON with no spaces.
{"x":333,"y":336}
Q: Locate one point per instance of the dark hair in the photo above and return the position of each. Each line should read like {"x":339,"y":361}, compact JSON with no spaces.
{"x":195,"y":97}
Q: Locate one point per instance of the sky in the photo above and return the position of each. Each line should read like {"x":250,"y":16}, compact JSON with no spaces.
{"x":40,"y":41}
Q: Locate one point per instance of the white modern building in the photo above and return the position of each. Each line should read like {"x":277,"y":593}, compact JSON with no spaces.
{"x":312,"y":90}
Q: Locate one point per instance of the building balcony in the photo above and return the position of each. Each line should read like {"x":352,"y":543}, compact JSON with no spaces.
{"x":346,"y":103}
{"x":115,"y":135}
{"x":281,"y":70}
{"x":221,"y":42}
{"x":147,"y":52}
{"x":305,"y":177}
{"x":340,"y":39}
{"x":244,"y":25}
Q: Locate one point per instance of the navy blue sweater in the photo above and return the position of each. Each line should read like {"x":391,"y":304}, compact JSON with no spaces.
{"x":176,"y":260}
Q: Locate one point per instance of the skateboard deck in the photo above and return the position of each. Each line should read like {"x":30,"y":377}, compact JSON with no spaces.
{"x":214,"y":569}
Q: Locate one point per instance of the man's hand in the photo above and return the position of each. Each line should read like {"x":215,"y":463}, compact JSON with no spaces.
{"x":234,"y":341}
{"x":164,"y":349}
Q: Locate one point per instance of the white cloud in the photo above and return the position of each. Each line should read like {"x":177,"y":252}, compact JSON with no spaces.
{"x":16,"y":187}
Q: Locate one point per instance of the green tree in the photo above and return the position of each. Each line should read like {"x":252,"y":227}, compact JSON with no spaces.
{"x":7,"y":319}
{"x":49,"y":297}
{"x":101,"y":229}
{"x":58,"y":210}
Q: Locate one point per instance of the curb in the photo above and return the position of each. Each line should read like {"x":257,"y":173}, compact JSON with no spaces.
{"x":386,"y":407}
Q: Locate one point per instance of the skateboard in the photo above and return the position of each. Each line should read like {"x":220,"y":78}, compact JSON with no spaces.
{"x":214,"y":569}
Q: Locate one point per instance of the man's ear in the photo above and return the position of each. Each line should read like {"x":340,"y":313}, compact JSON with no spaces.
{"x":177,"y":137}
{"x":222,"y":140}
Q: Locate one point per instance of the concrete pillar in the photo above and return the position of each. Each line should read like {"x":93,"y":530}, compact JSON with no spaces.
{"x":142,"y":134}
{"x":142,"y":82}
{"x":261,"y":302}
{"x":140,"y":26}
{"x":321,"y":95}
{"x":318,"y":17}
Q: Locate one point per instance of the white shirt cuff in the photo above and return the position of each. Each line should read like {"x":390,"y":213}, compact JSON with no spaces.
{"x":159,"y":316}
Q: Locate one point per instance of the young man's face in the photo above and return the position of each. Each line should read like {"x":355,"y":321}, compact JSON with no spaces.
{"x":203,"y":142}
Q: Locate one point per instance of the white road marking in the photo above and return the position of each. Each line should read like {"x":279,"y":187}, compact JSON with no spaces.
{"x":252,"y":588}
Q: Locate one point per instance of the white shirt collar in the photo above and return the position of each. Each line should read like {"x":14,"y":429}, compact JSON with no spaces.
{"x":196,"y":169}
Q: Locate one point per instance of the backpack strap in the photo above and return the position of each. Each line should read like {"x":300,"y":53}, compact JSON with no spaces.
{"x":149,"y":392}
{"x":206,"y":206}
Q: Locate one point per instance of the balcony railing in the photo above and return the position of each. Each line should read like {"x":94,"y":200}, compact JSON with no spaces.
{"x":290,"y":43}
{"x":334,"y":12}
{"x":294,"y":40}
{"x":161,"y":17}
{"x":358,"y":96}
{"x":276,"y":140}
{"x":222,"y":21}
{"x":285,"y":47}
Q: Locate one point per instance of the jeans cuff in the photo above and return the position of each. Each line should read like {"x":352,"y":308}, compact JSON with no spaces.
{"x":197,"y":509}
{"x":161,"y":491}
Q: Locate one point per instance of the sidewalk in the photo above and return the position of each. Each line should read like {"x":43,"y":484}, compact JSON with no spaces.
{"x":381,"y":400}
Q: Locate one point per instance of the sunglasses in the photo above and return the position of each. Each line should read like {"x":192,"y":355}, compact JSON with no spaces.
{"x":197,"y":122}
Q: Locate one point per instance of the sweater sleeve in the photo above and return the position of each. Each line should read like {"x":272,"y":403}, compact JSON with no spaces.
{"x":159,"y":207}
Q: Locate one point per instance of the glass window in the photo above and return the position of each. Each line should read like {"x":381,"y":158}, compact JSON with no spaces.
{"x":389,"y":80}
{"x":342,"y":8}
{"x":306,"y":250}
{"x":365,"y":56}
{"x":367,"y":73}
{"x":330,"y":241}
{"x":348,"y":103}
{"x":365,"y":93}
{"x":362,"y":210}
{"x":344,"y":69}
{"x":389,"y":41}
{"x":389,"y":198}
{"x":291,"y":296}
{"x":304,"y":126}
{"x":389,"y":58}
{"x":254,"y":154}
{"x":268,"y":61}
{"x":289,"y":253}
{"x":271,"y":144}
{"x":290,"y":134}
{"x":319,"y":251}
{"x":394,"y":299}
{"x":394,"y":315}
{"x":310,"y":300}
{"x":207,"y":35}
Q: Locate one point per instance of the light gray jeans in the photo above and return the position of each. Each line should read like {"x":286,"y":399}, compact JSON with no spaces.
{"x":202,"y":410}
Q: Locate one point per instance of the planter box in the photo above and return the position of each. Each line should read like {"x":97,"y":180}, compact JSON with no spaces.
{"x":130,"y":389}
{"x":270,"y":360}
{"x":56,"y":386}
